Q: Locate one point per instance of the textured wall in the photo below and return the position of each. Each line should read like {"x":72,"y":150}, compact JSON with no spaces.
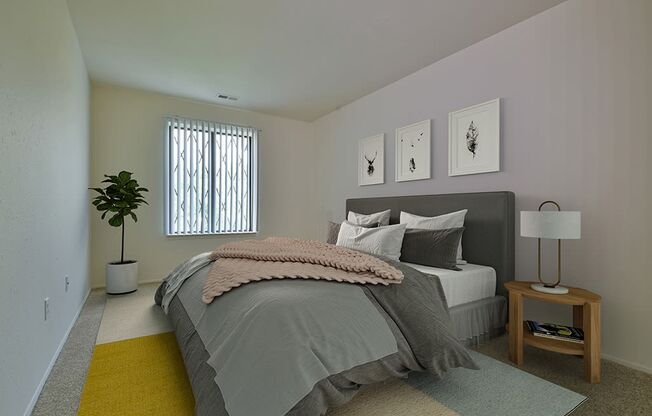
{"x":576,"y":106}
{"x":44,"y":152}
{"x":127,"y":133}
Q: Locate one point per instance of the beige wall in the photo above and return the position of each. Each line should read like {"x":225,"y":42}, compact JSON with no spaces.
{"x":44,"y":153}
{"x":576,"y":92}
{"x":127,"y":133}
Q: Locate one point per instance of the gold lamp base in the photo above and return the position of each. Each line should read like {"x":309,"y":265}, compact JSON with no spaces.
{"x":553,"y":290}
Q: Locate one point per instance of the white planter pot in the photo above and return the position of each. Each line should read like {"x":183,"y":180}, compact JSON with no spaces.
{"x":121,"y":278}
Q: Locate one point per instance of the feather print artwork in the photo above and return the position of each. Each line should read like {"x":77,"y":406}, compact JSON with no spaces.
{"x":472,"y":138}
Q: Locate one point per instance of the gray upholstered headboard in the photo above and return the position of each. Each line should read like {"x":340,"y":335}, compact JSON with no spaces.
{"x":489,"y":225}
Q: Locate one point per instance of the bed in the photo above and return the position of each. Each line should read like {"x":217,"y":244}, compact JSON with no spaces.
{"x":478,"y":308}
{"x":299,"y":347}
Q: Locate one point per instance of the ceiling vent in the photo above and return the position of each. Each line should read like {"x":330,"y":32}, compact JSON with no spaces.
{"x":227,"y":97}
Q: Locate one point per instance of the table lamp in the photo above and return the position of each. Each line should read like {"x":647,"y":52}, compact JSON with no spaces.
{"x":559,"y":225}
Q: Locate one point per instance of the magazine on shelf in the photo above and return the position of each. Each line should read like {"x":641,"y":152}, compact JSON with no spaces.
{"x":556,"y":331}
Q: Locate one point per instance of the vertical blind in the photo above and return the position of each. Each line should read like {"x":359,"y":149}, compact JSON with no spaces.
{"x":211,"y":177}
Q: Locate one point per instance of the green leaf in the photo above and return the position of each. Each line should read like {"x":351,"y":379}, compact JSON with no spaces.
{"x":134,"y":216}
{"x":116,"y":220}
{"x":124,"y":176}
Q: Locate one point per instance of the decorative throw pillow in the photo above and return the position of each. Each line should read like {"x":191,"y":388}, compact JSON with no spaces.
{"x":384,"y":241}
{"x":440,"y":222}
{"x":334,"y":230}
{"x":381,"y":218}
{"x":436,"y":248}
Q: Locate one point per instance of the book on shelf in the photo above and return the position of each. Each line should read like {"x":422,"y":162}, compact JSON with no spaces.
{"x":556,"y":331}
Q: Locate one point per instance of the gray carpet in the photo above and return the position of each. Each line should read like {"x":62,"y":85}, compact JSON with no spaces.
{"x":623,"y":391}
{"x":62,"y":391}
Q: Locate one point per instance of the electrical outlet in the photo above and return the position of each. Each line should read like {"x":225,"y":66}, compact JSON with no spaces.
{"x":67,"y":282}
{"x":46,"y":308}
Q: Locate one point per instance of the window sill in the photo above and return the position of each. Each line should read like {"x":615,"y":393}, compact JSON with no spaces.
{"x":212,"y":234}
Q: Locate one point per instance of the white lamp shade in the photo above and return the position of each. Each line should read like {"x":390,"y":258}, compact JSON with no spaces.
{"x":562,"y":225}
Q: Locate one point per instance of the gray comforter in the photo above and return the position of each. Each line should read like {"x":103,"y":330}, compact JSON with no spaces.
{"x":300,"y":347}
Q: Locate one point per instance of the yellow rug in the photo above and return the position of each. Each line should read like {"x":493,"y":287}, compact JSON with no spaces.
{"x":139,"y":376}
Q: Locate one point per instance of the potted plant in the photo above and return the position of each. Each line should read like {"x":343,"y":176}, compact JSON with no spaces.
{"x":119,"y":199}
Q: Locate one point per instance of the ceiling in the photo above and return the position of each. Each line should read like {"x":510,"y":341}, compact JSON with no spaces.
{"x":299,"y":59}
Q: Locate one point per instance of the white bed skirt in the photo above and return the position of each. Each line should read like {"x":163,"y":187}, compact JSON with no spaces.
{"x":479,"y":321}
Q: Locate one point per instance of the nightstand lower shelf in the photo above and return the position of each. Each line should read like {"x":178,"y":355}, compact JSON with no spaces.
{"x":563,"y":347}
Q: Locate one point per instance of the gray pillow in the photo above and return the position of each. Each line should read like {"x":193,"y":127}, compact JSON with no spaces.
{"x":334,"y":230}
{"x":436,"y":248}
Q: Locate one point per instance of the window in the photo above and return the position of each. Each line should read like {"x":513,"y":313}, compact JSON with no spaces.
{"x":211,"y":178}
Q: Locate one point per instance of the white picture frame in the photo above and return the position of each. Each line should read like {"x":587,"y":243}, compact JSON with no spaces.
{"x":474,"y":139}
{"x":371,"y":160}
{"x":412,"y":151}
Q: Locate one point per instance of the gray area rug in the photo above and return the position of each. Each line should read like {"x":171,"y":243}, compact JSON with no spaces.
{"x":497,"y":389}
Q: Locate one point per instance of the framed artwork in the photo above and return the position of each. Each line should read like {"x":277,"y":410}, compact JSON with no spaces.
{"x":371,"y":160}
{"x":413,"y":152}
{"x":474,"y":139}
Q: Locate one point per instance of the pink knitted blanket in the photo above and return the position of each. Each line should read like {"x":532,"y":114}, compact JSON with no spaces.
{"x":247,"y":261}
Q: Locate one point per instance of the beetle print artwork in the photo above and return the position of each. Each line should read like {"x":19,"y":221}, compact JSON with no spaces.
{"x":371,"y":160}
{"x":472,"y":138}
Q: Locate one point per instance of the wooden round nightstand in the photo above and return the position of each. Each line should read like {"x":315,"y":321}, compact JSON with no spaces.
{"x":586,"y":315}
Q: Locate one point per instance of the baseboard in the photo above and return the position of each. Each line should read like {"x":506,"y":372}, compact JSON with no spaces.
{"x":628,"y":364}
{"x":39,"y":388}
{"x":142,"y":282}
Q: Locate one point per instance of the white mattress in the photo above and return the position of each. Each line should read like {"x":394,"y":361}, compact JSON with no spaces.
{"x":473,"y":283}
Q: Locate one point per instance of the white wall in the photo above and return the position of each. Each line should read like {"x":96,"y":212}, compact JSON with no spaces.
{"x":127,"y":133}
{"x":576,"y":107}
{"x":44,"y":153}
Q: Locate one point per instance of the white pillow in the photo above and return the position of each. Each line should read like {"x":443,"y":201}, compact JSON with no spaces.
{"x":382,"y":218}
{"x":440,"y":222}
{"x":383,"y":241}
